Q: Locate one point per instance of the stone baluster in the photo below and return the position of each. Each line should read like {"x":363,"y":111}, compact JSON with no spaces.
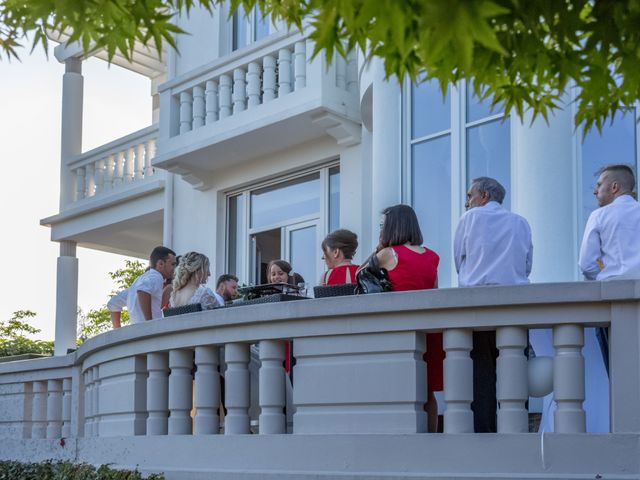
{"x":118,"y":172}
{"x":80,"y":185}
{"x":341,"y":71}
{"x":99,"y":175}
{"x":268,"y":78}
{"x":157,"y":393}
{"x":151,"y":153}
{"x":54,"y":408}
{"x":300,"y":64}
{"x":253,"y":85}
{"x":66,"y":407}
{"x":39,"y":410}
{"x":129,"y":165}
{"x":88,"y":403}
{"x":108,"y":172}
{"x":139,"y":167}
{"x":180,"y":388}
{"x":272,"y":387}
{"x":284,"y":71}
{"x":211,"y":101}
{"x":568,"y":379}
{"x":512,"y":388}
{"x":239,"y":90}
{"x":186,"y":112}
{"x":458,"y":381}
{"x":207,"y":395}
{"x":237,"y":389}
{"x":225,"y":96}
{"x":352,"y":71}
{"x":199,"y":111}
{"x":95,"y":399}
{"x":90,"y":180}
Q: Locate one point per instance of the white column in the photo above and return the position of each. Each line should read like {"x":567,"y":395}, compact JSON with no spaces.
{"x":239,"y":90}
{"x":81,"y":187}
{"x":66,"y":407}
{"x":99,"y":175}
{"x":186,"y":113}
{"x":109,"y":172}
{"x":207,"y":398}
{"x":300,"y":64}
{"x":39,"y":410}
{"x":198,"y":107}
{"x":54,"y":409}
{"x":139,"y":167}
{"x":512,"y":388}
{"x":129,"y":165}
{"x":237,"y":389}
{"x":568,"y":379}
{"x":90,"y":180}
{"x":458,"y":381}
{"x":88,"y":404}
{"x":284,"y":71}
{"x":211,"y":101}
{"x":352,"y":71}
{"x":225,"y":95}
{"x":341,"y":71}
{"x":272,"y":387}
{"x":150,"y":155}
{"x":268,"y":78}
{"x":71,"y":126}
{"x":157,"y":393}
{"x":95,"y":400}
{"x":253,"y":84}
{"x":180,"y":389}
{"x":118,"y":172}
{"x":66,"y":298}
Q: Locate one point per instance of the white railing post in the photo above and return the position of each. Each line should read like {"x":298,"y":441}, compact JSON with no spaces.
{"x":88,"y":403}
{"x":157,"y":393}
{"x":198,"y":107}
{"x":186,"y":112}
{"x":118,"y":172}
{"x":99,"y":175}
{"x":139,"y":170}
{"x":300,"y":64}
{"x":180,"y":392}
{"x":458,"y":381}
{"x":272,"y":387}
{"x":211,"y":101}
{"x":239,"y":90}
{"x":253,"y":84}
{"x":512,"y":388}
{"x":237,"y":383}
{"x":151,"y":153}
{"x":128,"y":165}
{"x":225,"y":95}
{"x":95,"y":399}
{"x":268,"y":78}
{"x":66,"y":407}
{"x":80,"y":185}
{"x":109,"y":172}
{"x":568,"y":379}
{"x":207,"y":398}
{"x":54,"y":408}
{"x":39,"y":410}
{"x":90,"y":180}
{"x":284,"y":71}
{"x":341,"y":71}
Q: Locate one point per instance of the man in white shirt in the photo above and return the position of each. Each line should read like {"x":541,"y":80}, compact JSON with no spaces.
{"x":226,"y":288}
{"x":144,"y":296}
{"x":492,"y":246}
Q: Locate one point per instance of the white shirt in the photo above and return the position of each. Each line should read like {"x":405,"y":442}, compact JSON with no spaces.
{"x":219,"y":298}
{"x":492,"y":246}
{"x":118,"y":301}
{"x":612,"y":235}
{"x":151,"y":282}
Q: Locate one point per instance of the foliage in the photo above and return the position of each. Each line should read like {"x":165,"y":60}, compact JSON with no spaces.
{"x":523,"y":54}
{"x":14,"y":336}
{"x":49,"y":470}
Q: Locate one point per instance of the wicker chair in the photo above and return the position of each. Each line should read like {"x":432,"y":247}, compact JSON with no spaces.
{"x":334,"y":290}
{"x":191,"y":308}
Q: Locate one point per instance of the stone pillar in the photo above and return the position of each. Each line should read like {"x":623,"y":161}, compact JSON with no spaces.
{"x":67,"y":385}
{"x":512,"y":389}
{"x":157,"y":393}
{"x":66,"y":298}
{"x":458,"y":381}
{"x":237,"y":382}
{"x":71,"y":131}
{"x":207,"y":398}
{"x":54,"y":408}
{"x":39,"y":410}
{"x":568,"y":379}
{"x":180,"y":392}
{"x":272,"y":387}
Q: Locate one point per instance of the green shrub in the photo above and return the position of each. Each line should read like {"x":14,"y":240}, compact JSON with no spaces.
{"x":49,"y":470}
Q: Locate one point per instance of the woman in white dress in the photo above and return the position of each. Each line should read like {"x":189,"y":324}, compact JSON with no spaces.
{"x":189,"y":281}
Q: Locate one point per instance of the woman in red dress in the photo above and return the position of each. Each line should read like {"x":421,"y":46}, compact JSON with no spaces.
{"x":413,"y":267}
{"x":338,"y":249}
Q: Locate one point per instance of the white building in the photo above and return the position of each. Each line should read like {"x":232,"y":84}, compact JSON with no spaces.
{"x":256,"y":152}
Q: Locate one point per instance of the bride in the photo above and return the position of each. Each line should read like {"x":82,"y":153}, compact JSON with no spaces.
{"x":189,"y":282}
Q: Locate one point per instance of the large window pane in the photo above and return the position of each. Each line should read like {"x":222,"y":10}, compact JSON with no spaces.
{"x":334,"y":198}
{"x":239,"y":31}
{"x":489,"y":154}
{"x":236,"y":235}
{"x":430,"y":113}
{"x":261,"y":26}
{"x":477,"y":109}
{"x":303,"y":253}
{"x":431,"y":187}
{"x":288,"y":200}
{"x":616,"y":144}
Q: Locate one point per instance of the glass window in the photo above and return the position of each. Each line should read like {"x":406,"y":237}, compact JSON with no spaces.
{"x":304,"y":252}
{"x":430,"y":113}
{"x":260,"y":25}
{"x":478,"y":109}
{"x":334,"y":198}
{"x":236,"y":233}
{"x":249,"y":28}
{"x":239,"y":31}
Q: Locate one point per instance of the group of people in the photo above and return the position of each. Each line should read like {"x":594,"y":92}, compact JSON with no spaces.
{"x":492,"y":246}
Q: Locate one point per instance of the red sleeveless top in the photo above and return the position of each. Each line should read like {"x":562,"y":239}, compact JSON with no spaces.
{"x":340,"y":275}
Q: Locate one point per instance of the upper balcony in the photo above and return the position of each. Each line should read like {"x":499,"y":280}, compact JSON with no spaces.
{"x":259,"y":100}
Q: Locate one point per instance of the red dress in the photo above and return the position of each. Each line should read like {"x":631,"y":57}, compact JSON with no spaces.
{"x":340,"y":275}
{"x":419,"y":271}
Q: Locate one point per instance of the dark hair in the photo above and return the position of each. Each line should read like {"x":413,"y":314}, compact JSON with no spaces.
{"x":400,"y":226}
{"x":283,"y":264}
{"x":159,"y":253}
{"x":344,"y":240}
{"x":225,"y":277}
{"x":623,"y":174}
{"x":491,"y":187}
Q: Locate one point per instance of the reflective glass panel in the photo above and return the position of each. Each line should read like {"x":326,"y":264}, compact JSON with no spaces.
{"x":430,"y":113}
{"x":477,"y":109}
{"x":304,"y":251}
{"x":334,"y":198}
{"x":284,"y":201}
{"x":616,"y":144}
{"x":236,"y":234}
{"x":239,"y":31}
{"x":431,"y":187}
{"x":489,"y":154}
{"x":260,"y":26}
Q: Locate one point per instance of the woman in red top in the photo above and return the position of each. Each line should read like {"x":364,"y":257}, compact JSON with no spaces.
{"x":338,"y":249}
{"x":413,"y":267}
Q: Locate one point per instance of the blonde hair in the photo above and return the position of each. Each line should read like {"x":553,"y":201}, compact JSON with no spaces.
{"x":190,"y":264}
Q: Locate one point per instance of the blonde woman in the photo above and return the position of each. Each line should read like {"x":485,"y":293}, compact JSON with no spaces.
{"x":189,"y":282}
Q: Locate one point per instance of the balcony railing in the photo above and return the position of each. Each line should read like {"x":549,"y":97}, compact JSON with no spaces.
{"x":359,"y":372}
{"x":115,"y":165}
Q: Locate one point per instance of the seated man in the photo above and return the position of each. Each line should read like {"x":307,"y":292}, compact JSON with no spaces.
{"x":226,"y":288}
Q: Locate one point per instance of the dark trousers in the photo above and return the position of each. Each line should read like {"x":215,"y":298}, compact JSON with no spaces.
{"x":484,"y":405}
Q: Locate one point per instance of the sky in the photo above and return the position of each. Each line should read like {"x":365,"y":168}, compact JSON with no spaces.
{"x":116,"y":102}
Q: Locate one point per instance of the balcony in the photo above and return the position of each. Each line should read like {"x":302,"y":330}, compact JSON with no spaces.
{"x":118,"y":197}
{"x":257,"y":101}
{"x":127,"y":397}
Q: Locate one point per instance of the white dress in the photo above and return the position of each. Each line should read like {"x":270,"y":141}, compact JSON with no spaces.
{"x":203,"y":295}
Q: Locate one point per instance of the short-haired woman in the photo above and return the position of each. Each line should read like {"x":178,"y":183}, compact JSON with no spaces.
{"x":338,"y":249}
{"x":189,"y":282}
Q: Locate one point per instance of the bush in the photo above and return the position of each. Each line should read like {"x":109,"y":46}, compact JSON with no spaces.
{"x":49,"y":470}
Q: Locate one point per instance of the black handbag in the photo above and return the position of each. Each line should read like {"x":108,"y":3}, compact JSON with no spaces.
{"x":372,"y":278}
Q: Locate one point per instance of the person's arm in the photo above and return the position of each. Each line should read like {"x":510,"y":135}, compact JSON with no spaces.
{"x":529,"y":252}
{"x":144,"y":300}
{"x":387,"y":258}
{"x":116,"y":318}
{"x":115,"y":306}
{"x":590,"y":249}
